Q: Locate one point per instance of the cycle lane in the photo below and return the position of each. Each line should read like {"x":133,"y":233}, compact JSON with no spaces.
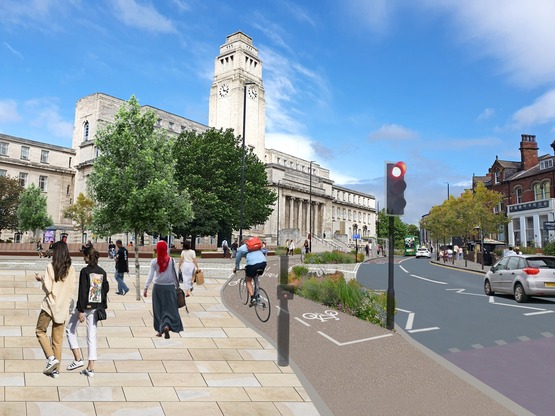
{"x":352,"y":367}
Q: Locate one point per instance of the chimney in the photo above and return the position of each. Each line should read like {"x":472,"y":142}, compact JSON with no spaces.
{"x":528,"y":151}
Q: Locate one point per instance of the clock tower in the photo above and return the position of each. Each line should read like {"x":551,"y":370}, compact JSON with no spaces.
{"x":237,"y":88}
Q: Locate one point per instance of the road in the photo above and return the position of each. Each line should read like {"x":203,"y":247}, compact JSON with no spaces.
{"x":356,"y":368}
{"x":506,"y":345}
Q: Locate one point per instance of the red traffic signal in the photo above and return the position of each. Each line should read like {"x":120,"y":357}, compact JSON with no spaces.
{"x":395,"y":188}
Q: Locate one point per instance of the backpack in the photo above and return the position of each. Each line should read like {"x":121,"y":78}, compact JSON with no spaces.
{"x":254,"y":244}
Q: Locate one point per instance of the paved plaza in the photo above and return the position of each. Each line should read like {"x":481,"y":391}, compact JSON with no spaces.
{"x":216,"y":366}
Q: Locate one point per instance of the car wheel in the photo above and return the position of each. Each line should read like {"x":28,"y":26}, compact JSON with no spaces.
{"x":520,"y":294}
{"x":487,"y":288}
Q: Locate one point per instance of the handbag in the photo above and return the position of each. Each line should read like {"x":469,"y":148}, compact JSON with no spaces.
{"x":100,"y":314}
{"x":199,"y":277}
{"x":179,"y":293}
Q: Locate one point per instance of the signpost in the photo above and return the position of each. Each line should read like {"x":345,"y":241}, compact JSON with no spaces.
{"x":356,"y":237}
{"x":549,"y":225}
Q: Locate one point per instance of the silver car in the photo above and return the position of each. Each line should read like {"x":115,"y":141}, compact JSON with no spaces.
{"x":523,"y":276}
{"x":423,"y":252}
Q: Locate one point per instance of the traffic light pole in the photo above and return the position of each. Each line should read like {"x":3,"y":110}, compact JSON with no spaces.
{"x":390,"y":320}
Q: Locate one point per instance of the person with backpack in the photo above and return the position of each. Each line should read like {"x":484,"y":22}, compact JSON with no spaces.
{"x":256,"y":260}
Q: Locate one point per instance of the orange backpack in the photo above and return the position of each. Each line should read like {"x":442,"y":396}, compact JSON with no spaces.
{"x":254,"y":244}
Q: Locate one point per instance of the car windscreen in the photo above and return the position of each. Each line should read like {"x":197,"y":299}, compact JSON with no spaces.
{"x":541,"y":262}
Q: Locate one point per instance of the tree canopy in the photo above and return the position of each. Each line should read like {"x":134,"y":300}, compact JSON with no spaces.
{"x":10,"y":189}
{"x":209,"y":168}
{"x":32,"y":213}
{"x":133,"y":181}
{"x":80,"y":212}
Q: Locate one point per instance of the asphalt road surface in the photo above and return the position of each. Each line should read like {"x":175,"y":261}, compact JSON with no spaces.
{"x":506,"y":345}
{"x":356,"y":368}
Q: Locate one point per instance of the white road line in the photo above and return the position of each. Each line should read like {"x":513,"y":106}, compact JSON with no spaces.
{"x":429,"y":280}
{"x":403,"y":310}
{"x":412,"y":331}
{"x":463,"y":292}
{"x":403,"y":269}
{"x":301,"y":321}
{"x":537,"y":313}
{"x":341,"y":344}
{"x":492,"y":300}
{"x":410,"y":321}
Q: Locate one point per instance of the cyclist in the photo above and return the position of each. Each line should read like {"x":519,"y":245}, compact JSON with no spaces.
{"x":256,"y":260}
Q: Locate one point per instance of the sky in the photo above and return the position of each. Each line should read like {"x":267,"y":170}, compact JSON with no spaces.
{"x":445,"y":86}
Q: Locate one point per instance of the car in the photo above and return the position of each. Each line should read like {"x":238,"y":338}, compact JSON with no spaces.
{"x":423,"y":252}
{"x":522,"y":275}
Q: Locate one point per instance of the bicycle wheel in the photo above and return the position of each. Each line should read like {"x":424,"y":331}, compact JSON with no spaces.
{"x":263,"y":305}
{"x":243,"y":293}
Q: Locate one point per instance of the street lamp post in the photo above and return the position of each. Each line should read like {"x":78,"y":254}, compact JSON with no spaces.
{"x":277,"y":232}
{"x":242,"y":209}
{"x":448,"y":194}
{"x":310,"y":209}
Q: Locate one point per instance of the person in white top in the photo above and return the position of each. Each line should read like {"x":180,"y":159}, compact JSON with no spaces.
{"x":188,"y":265}
{"x":510,"y":252}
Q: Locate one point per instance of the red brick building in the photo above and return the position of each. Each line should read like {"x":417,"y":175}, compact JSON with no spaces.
{"x":526,"y":187}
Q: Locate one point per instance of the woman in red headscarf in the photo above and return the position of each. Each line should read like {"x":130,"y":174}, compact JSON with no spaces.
{"x":163,"y":274}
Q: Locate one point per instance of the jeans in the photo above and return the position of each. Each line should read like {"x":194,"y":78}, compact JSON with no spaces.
{"x":71,"y":332}
{"x":122,"y":287}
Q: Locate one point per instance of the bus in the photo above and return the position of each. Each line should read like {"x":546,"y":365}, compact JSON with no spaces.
{"x":411,"y":245}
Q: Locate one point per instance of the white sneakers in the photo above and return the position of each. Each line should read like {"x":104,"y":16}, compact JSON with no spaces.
{"x":75,"y":364}
{"x":51,"y":365}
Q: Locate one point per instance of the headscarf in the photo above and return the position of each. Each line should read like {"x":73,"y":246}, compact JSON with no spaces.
{"x":162,"y":255}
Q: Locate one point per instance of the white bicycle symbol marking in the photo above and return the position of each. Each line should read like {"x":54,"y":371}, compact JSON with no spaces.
{"x":329,"y":314}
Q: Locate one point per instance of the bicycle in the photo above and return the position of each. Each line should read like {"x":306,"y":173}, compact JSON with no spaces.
{"x":262,"y":306}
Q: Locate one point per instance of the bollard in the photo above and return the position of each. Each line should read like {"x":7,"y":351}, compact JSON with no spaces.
{"x":284,"y":293}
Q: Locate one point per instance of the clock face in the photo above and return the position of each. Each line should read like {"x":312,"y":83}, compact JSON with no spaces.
{"x":253,"y":93}
{"x":224,"y":89}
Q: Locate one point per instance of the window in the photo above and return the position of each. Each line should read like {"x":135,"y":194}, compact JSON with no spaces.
{"x":497,"y":176}
{"x":3,"y":149}
{"x":25,"y":152}
{"x":67,"y":192}
{"x":3,"y":172}
{"x":546,"y":164}
{"x":23,"y":179}
{"x":518,"y":192}
{"x":542,"y":191}
{"x":158,"y":122}
{"x":44,"y":156}
{"x":43,"y":181}
{"x":171,"y":125}
{"x":69,"y":164}
{"x":86,"y":131}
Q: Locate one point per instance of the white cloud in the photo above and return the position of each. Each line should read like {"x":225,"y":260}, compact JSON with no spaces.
{"x":373,"y":14}
{"x":143,"y":16}
{"x":486,"y":114}
{"x":8,"y":111}
{"x":44,"y":113}
{"x":517,"y":33}
{"x":295,"y":145}
{"x":12,"y":50}
{"x":540,"y":112}
{"x":342,"y":179}
{"x":392,"y":132}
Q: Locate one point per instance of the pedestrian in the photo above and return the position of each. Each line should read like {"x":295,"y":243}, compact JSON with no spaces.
{"x":264,"y":249}
{"x":287,"y":246}
{"x":306,"y":246}
{"x":234,"y":247}
{"x":324,"y":235}
{"x":291,"y":247}
{"x":510,"y":252}
{"x":450,"y":255}
{"x":460,"y":253}
{"x":86,"y":246}
{"x":225,"y":247}
{"x":188,"y":266}
{"x":122,"y":267}
{"x":111,"y":249}
{"x":367,"y":250}
{"x":58,"y":284}
{"x":39,"y":250}
{"x":91,"y":295}
{"x":163,"y":276}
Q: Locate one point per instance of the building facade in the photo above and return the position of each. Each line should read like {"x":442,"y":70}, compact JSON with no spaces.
{"x":526,"y":186}
{"x":308,"y":200}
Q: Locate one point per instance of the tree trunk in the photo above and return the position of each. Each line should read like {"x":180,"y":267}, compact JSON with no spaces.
{"x":137,"y":267}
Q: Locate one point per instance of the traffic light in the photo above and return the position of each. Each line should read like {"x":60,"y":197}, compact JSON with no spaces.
{"x":395,"y":188}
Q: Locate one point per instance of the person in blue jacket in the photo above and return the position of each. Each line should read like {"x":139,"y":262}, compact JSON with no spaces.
{"x":255,"y":260}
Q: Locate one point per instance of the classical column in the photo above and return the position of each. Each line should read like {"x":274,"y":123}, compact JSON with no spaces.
{"x":300,"y":216}
{"x":537,"y":230}
{"x":523,"y":237}
{"x":317,"y":228}
{"x":291,"y":214}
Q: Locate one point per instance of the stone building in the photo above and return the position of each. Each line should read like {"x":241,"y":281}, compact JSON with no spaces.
{"x":526,"y":188}
{"x":306,"y":194}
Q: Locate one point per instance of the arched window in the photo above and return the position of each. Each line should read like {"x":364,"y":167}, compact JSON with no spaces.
{"x":86,"y":131}
{"x":518,"y":195}
{"x":542,"y":191}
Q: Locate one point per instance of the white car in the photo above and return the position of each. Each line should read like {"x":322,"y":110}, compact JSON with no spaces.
{"x":423,"y":252}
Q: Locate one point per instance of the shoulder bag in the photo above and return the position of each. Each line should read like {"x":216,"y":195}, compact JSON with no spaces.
{"x":180,"y":294}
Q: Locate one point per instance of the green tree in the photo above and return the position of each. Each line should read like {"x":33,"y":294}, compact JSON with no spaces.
{"x":209,"y":168}
{"x":10,"y":189}
{"x":80,"y":213}
{"x":32,"y":213}
{"x":400,"y":229}
{"x":133,"y":183}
